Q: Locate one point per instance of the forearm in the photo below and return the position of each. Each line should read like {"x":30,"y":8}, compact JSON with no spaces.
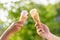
{"x":6,"y":35}
{"x":52,"y":37}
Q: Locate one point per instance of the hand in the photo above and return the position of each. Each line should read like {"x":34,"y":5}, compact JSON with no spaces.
{"x":42,"y":30}
{"x":15,"y":27}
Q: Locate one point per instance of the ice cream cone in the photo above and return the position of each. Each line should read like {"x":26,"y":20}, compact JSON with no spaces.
{"x":35,"y":15}
{"x":23,"y":16}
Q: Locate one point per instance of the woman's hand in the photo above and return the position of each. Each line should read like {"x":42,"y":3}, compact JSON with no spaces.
{"x":14,"y":27}
{"x":42,"y":30}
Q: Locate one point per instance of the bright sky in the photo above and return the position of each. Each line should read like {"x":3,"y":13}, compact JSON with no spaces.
{"x":4,"y":14}
{"x":7,"y":1}
{"x":46,"y":2}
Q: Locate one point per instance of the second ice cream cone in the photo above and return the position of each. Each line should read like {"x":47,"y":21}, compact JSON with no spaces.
{"x":35,"y":16}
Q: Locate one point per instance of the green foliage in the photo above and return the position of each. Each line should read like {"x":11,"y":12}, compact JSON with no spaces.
{"x":28,"y":32}
{"x":1,"y":22}
{"x":1,"y":6}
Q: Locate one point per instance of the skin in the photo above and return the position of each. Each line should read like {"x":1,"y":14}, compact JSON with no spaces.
{"x":43,"y":31}
{"x":13,"y":28}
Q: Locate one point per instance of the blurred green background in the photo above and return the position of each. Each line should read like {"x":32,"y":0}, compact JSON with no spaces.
{"x":49,"y":15}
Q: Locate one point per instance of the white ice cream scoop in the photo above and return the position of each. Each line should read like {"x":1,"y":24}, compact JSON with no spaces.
{"x":24,"y":13}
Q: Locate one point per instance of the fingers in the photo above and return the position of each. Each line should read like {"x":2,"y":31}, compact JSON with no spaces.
{"x":38,"y":25}
{"x":20,"y":23}
{"x":42,"y":28}
{"x":15,"y":27}
{"x":40,"y":31}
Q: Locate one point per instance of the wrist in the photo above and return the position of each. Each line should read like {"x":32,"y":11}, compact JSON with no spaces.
{"x":49,"y":36}
{"x":52,"y":37}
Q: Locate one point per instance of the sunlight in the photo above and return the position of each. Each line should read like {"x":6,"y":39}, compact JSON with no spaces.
{"x":8,"y":1}
{"x":3,"y":15}
{"x":45,"y":2}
